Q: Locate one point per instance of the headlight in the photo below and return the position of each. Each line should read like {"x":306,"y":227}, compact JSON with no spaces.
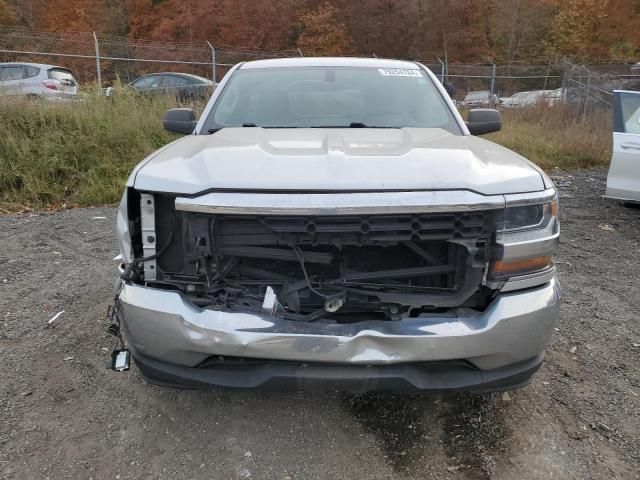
{"x":122,"y":230}
{"x":526,"y":238}
{"x":527,"y":217}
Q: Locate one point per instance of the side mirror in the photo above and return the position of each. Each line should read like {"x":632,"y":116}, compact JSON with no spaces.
{"x":484,"y":120}
{"x":180,"y":120}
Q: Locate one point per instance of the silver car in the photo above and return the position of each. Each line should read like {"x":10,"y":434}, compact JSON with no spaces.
{"x":333,"y":223}
{"x":482,"y":98}
{"x":37,"y":81}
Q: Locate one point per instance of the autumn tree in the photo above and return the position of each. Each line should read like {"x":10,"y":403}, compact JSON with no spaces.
{"x":6,"y":14}
{"x":380,"y":27}
{"x":462,"y":30}
{"x":103,"y":16}
{"x":253,"y":24}
{"x":322,"y":32}
{"x":519,"y":29}
{"x":622,"y":30}
{"x":577,"y":28}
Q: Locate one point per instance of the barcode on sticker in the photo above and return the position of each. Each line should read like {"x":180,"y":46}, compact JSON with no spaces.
{"x":400,"y":72}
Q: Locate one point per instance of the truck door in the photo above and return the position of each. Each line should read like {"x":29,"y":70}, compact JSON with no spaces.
{"x":623,"y":181}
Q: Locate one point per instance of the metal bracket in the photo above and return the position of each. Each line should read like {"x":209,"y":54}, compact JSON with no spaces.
{"x":149,"y":239}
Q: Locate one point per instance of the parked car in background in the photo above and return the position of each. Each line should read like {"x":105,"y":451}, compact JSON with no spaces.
{"x":37,"y":81}
{"x":623,"y":181}
{"x":334,"y":223}
{"x":531,"y":97}
{"x":481,"y":98}
{"x":184,"y":86}
{"x":556,"y":96}
{"x":513,"y":101}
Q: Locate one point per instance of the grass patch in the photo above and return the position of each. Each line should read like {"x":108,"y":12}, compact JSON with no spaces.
{"x":81,"y":154}
{"x":558,"y":136}
{"x":76,"y":153}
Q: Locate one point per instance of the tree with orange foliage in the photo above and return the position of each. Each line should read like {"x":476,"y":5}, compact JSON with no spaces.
{"x":520,"y":29}
{"x":463,"y":30}
{"x":576,"y":27}
{"x":322,"y":33}
{"x":102,"y":16}
{"x":6,"y":14}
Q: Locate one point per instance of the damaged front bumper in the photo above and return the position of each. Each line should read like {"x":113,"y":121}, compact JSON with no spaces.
{"x":173,"y":342}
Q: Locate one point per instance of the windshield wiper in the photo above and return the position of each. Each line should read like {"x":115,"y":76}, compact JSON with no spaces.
{"x":214,"y":130}
{"x":364,"y":125}
{"x":352,"y":125}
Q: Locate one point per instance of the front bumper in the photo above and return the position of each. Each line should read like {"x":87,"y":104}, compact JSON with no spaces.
{"x":397,"y":378}
{"x":166,"y":327}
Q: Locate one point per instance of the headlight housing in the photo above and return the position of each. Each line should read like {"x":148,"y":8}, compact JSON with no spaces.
{"x":527,"y":235}
{"x":122,"y":229}
{"x":527,"y":217}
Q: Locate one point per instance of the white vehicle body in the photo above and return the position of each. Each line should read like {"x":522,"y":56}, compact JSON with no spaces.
{"x":528,"y":98}
{"x":37,"y":81}
{"x":333,"y":222}
{"x":623,"y":181}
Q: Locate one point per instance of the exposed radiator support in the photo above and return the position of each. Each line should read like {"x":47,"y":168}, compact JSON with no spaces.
{"x":149,"y":239}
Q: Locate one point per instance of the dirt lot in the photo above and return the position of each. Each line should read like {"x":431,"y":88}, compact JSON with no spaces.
{"x":63,"y":415}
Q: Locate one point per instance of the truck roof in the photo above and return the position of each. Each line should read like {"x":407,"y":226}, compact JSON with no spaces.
{"x":328,"y":62}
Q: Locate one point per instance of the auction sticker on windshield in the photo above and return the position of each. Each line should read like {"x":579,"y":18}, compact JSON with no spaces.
{"x":400,"y":72}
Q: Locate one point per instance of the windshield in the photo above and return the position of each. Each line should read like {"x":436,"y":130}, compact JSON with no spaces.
{"x":330,"y":97}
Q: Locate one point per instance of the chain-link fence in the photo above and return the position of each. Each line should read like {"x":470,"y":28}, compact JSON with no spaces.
{"x":103,"y":58}
{"x":587,"y":86}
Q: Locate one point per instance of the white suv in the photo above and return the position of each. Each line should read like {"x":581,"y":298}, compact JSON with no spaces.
{"x":37,"y":81}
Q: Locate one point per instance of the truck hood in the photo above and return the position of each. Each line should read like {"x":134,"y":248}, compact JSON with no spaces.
{"x":354,"y":159}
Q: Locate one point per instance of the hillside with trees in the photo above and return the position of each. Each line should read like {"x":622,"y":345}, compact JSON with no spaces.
{"x":464,"y":30}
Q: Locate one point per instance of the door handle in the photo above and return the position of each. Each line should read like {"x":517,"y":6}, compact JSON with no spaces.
{"x":630,"y":146}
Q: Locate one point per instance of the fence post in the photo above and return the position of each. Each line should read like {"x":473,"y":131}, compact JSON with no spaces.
{"x":493,"y":81}
{"x":441,"y":70}
{"x":565,"y":79}
{"x":213,"y":61}
{"x":97,"y":47}
{"x":588,"y":93}
{"x":546,"y":78}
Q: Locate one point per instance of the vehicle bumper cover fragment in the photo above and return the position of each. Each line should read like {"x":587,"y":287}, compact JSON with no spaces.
{"x":166,"y":326}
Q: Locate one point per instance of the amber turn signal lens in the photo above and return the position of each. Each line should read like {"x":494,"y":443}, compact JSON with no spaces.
{"x":554,"y":208}
{"x":519,"y":267}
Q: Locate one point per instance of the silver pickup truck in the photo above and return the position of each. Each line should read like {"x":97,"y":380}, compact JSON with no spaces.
{"x":334,"y":224}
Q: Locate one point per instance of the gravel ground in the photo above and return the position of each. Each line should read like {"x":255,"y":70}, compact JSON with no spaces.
{"x":63,"y":415}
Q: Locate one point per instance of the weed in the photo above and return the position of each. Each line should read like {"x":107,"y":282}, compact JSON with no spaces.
{"x":81,"y":153}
